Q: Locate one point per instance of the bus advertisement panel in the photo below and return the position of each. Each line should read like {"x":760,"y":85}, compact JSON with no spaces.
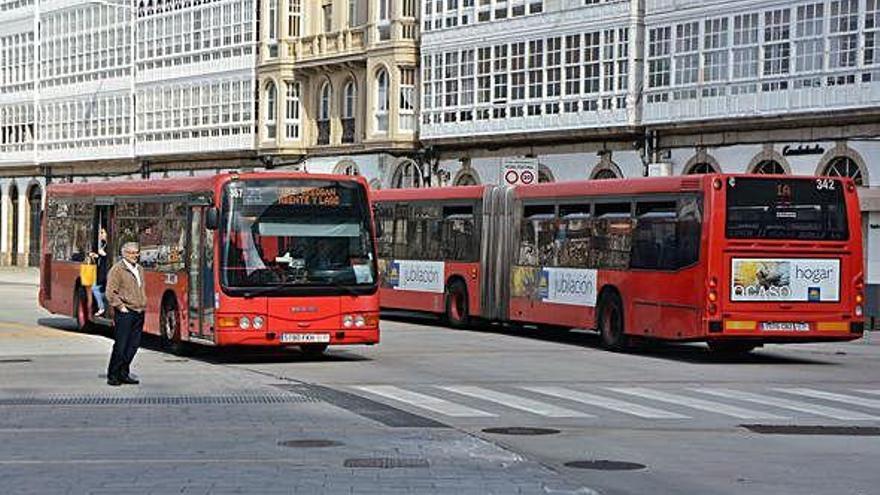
{"x":233,"y":259}
{"x":736,"y":261}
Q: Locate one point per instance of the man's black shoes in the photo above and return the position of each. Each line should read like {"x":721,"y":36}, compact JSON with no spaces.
{"x":114,"y":382}
{"x":128,"y":380}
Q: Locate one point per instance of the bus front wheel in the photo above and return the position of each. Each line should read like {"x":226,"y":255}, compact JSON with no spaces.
{"x":457,"y":310}
{"x":611,"y":326}
{"x":170,"y":331}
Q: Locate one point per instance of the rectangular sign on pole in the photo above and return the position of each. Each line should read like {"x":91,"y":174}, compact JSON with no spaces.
{"x":519,"y":171}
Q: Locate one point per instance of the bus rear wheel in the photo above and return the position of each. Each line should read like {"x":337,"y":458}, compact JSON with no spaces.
{"x":170,"y":328}
{"x":457,"y":310}
{"x":611,"y":326}
{"x":313,"y":351}
{"x":724,"y":348}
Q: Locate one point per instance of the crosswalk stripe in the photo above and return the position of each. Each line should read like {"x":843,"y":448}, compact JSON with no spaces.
{"x":515,"y":402}
{"x":703,"y":405}
{"x":872,"y":392}
{"x":819,"y":394}
{"x":829,"y":412}
{"x":606,"y":403}
{"x":428,"y":402}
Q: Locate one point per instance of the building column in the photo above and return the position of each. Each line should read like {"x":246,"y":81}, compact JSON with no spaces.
{"x":5,"y":204}
{"x":21,"y":249}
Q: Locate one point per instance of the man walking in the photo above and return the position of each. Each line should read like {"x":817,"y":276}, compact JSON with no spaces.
{"x":126,"y":294}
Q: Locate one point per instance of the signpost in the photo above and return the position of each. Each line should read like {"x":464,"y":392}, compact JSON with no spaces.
{"x":519,"y":171}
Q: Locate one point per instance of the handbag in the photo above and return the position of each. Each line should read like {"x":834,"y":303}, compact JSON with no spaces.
{"x":88,"y":273}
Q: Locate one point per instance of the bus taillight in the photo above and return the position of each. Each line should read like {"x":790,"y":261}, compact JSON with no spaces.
{"x":712,"y":295}
{"x":860,"y":296}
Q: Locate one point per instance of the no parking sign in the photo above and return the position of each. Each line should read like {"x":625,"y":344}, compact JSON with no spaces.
{"x":519,"y":171}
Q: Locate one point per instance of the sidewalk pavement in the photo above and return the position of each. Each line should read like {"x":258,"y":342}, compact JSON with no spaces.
{"x":20,"y":275}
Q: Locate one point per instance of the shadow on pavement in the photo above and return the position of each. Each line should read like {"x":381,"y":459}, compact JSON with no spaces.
{"x":693,"y":353}
{"x":213,"y":355}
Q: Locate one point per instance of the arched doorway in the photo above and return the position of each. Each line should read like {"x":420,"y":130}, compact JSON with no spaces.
{"x":13,"y":225}
{"x":769,"y":167}
{"x":844,"y":166}
{"x":408,"y":174}
{"x":605,"y":173}
{"x":35,"y":217}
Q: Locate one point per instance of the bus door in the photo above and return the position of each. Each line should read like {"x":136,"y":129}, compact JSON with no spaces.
{"x":103,"y":219}
{"x":201,"y":277}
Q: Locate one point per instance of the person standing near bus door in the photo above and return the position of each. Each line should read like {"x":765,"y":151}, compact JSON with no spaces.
{"x":100,"y":258}
{"x":127,"y":295}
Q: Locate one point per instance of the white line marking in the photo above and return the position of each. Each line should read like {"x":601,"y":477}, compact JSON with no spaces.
{"x":703,"y":405}
{"x":426,"y":402}
{"x":872,"y":392}
{"x":515,"y":402}
{"x":606,"y":403}
{"x":829,"y":412}
{"x":819,"y":394}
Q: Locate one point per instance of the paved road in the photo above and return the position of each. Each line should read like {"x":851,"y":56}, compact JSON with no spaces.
{"x":418,"y":406}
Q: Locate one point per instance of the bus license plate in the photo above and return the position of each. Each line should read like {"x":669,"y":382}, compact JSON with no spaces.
{"x":785,"y":326}
{"x":305,"y":338}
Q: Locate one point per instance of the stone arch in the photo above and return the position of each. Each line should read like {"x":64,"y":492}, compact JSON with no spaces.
{"x":834,"y":160}
{"x":375,"y":184}
{"x":407,"y":174}
{"x":606,"y":169}
{"x":766,"y":158}
{"x":701,"y":163}
{"x":466,"y":176}
{"x":347,"y":166}
{"x":545,"y":175}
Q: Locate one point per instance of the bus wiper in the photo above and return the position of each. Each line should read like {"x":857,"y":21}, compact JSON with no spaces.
{"x":272,"y":288}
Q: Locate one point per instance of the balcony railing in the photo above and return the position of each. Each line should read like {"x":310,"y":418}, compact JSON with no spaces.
{"x":349,"y":41}
{"x":348,"y":129}
{"x":323,"y":132}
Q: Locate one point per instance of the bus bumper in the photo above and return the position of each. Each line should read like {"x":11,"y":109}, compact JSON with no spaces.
{"x":777,"y":331}
{"x":342,"y":336}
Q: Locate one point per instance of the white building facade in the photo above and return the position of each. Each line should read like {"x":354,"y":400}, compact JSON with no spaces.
{"x":618,"y":88}
{"x":93,"y":89}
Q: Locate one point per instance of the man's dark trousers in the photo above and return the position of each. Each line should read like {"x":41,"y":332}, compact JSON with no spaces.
{"x":129,"y":327}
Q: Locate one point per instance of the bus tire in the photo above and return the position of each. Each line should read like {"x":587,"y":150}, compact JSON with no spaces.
{"x":611,"y":323}
{"x":457,"y":308}
{"x":169,"y":323}
{"x":731,"y":349}
{"x":313,"y":351}
{"x":81,"y":309}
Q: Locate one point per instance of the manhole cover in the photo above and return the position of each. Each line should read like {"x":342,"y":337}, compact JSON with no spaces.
{"x":309,"y":444}
{"x":605,"y":465}
{"x":386,"y":463}
{"x":859,"y":431}
{"x":521,"y":430}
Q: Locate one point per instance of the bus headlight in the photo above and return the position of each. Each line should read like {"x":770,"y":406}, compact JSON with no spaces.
{"x":858,"y":311}
{"x":359,"y":321}
{"x":347,"y":321}
{"x":258,"y":322}
{"x":244,"y":323}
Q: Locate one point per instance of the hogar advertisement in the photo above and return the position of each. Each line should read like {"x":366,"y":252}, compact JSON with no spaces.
{"x":568,"y":286}
{"x":425,"y":276}
{"x":785,"y":279}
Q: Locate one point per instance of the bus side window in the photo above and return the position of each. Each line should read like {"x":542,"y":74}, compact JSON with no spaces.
{"x":574,"y":235}
{"x":537,"y":241}
{"x":384,"y":215}
{"x":655,"y":243}
{"x":423,"y":233}
{"x":458,"y":236}
{"x":612,"y":236}
{"x":690,"y":226}
{"x":399,"y":229}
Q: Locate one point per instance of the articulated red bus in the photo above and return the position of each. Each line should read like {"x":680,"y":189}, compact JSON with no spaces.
{"x":233,"y":259}
{"x":733,"y":260}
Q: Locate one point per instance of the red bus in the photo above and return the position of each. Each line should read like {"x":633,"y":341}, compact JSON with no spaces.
{"x":248,"y":259}
{"x":733,"y":260}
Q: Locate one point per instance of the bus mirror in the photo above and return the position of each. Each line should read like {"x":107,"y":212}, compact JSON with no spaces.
{"x":212,"y":219}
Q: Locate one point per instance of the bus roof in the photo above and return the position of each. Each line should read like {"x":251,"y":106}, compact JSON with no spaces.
{"x":637,"y":185}
{"x":430,"y":193}
{"x":181,"y":185}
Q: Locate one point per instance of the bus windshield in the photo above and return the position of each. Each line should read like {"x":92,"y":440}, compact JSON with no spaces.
{"x":779,"y":208}
{"x":295,"y":234}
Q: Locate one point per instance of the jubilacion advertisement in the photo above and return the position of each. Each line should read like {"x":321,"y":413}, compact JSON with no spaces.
{"x":425,"y":276}
{"x":785,"y":279}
